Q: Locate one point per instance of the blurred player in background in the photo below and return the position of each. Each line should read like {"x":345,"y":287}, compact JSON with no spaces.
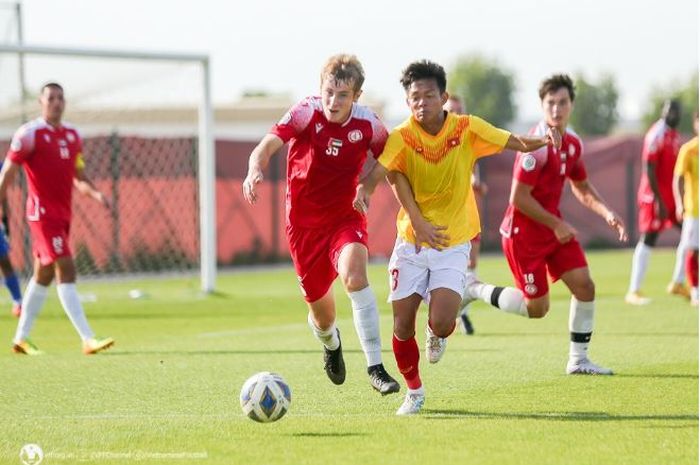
{"x":685,"y":174}
{"x":429,"y":159}
{"x":8,"y":271}
{"x":455,"y":105}
{"x":655,"y":200}
{"x":537,"y":241}
{"x":50,"y":152}
{"x":329,"y":137}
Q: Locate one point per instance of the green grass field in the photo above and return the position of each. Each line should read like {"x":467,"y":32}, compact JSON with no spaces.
{"x":168,"y":391}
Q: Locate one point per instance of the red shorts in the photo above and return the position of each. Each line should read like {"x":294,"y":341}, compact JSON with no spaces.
{"x":315,"y":254}
{"x":649,"y":220}
{"x":531,"y":264}
{"x":50,"y":240}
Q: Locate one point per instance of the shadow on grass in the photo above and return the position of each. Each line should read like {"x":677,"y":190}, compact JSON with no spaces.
{"x":326,"y":435}
{"x":655,"y":375}
{"x":438,"y":414}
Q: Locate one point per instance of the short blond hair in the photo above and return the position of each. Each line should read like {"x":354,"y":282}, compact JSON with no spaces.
{"x":346,"y":68}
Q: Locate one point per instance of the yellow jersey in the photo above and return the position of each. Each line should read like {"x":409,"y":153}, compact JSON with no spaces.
{"x":687,"y":166}
{"x":439,"y":170}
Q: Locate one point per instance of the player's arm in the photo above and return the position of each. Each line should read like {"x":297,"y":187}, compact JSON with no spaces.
{"x":528,"y":143}
{"x":588,"y":195}
{"x":6,"y":216}
{"x":678,"y":195}
{"x":86,"y":187}
{"x":650,"y":170}
{"x":257,"y":163}
{"x":424,"y":231}
{"x":521,"y":197}
{"x":366,"y":187}
{"x":7,"y":176}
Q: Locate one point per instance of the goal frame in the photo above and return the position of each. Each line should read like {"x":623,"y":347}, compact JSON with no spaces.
{"x":205,"y":155}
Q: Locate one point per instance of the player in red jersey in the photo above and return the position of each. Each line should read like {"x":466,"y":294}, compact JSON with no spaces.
{"x":329,"y":138}
{"x":537,"y":241}
{"x":655,"y":195}
{"x":51,"y":153}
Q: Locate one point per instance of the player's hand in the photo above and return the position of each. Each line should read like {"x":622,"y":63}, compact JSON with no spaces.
{"x":427,"y":233}
{"x":361,"y":201}
{"x":554,"y":137}
{"x":250,"y":184}
{"x":679,"y":213}
{"x":103,"y":200}
{"x":615,"y":222}
{"x":564,"y":232}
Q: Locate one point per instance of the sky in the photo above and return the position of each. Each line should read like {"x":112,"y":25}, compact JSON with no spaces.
{"x":280,"y":46}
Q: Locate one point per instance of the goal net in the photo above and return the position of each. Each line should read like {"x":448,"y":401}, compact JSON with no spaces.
{"x":147,"y":146}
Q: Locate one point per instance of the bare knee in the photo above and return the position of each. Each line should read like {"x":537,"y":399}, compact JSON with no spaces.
{"x":404,"y":329}
{"x":584,"y":291}
{"x":442,"y":328}
{"x":537,"y":309}
{"x":355,"y":281}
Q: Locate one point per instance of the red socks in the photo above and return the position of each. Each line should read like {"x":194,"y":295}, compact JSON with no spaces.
{"x":691,"y":267}
{"x":407,"y":357}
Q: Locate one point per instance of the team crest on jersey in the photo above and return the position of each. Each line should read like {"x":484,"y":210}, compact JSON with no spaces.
{"x":572,"y":150}
{"x":355,"y":135}
{"x":319,"y":127}
{"x":16,"y":145}
{"x":528,"y":162}
{"x":531,"y":289}
{"x":70,"y":137}
{"x":47,"y":138}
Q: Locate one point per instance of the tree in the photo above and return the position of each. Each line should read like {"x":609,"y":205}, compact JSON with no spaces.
{"x":687,"y":94}
{"x":595,"y":105}
{"x":485,"y":87}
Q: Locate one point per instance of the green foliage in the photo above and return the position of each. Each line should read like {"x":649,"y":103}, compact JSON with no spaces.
{"x":686,"y":92}
{"x":485,"y":87}
{"x":595,"y":110}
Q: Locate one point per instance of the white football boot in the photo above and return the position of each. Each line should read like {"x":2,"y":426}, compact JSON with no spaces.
{"x":434,"y":345}
{"x":586,"y":367}
{"x":412,"y":404}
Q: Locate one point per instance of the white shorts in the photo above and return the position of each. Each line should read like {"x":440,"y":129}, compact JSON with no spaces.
{"x":689,"y":234}
{"x":420,"y":273}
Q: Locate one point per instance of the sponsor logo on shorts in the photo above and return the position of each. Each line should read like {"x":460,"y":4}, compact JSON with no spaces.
{"x":528,"y":163}
{"x":530,"y":289}
{"x":355,"y":135}
{"x":57,"y":244}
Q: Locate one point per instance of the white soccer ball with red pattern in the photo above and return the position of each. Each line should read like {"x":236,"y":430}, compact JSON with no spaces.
{"x":265,"y":397}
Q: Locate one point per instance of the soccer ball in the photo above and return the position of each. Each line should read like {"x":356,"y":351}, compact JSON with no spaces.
{"x":265,"y":397}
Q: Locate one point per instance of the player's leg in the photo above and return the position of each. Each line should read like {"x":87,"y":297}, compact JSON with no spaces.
{"x":406,"y":352}
{"x":352,"y":269}
{"x":677,"y":285}
{"x":321,"y":320}
{"x":11,"y":279}
{"x":408,"y":282}
{"x":70,"y":301}
{"x":649,"y":226}
{"x":34,"y":298}
{"x":692,"y":260}
{"x":569,"y":264}
{"x":464,"y":319}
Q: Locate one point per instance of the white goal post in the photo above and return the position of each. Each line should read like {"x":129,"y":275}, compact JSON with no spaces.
{"x":206,"y":157}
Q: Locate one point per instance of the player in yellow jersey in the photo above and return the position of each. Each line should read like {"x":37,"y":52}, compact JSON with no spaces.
{"x":429,"y":159}
{"x":685,"y":173}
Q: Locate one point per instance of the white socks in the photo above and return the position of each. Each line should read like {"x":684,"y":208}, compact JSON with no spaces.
{"x":640,"y":262}
{"x":68,"y":295}
{"x":366,"y":319}
{"x":328,"y":337}
{"x":507,"y":299}
{"x":34,"y":297}
{"x":580,"y":327}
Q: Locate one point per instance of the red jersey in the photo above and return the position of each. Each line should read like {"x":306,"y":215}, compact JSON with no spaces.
{"x":661,"y":145}
{"x":545,"y":169}
{"x":325,"y":160}
{"x":49,"y":156}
